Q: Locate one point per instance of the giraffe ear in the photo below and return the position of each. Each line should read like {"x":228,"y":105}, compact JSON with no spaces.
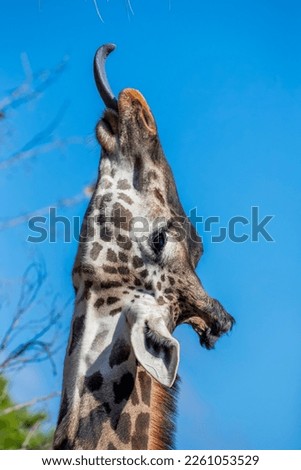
{"x":156,"y":350}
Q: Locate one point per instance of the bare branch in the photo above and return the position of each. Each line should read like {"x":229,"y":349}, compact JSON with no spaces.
{"x":28,"y":91}
{"x":35,"y":146}
{"x":97,"y":11}
{"x":66,"y":202}
{"x":30,"y":434}
{"x":27,"y":67}
{"x":26,"y":404}
{"x":41,"y":335}
{"x":130,"y":7}
{"x":40,"y":150}
{"x":35,"y":349}
{"x":32,"y":281}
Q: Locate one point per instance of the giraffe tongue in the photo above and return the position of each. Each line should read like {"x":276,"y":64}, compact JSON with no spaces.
{"x":101,"y":78}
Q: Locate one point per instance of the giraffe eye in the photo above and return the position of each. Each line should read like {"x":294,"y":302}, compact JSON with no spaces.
{"x":158,"y":241}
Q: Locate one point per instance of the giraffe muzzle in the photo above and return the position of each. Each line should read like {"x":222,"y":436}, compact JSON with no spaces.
{"x":206,"y":315}
{"x":210,"y":323}
{"x":219,"y":322}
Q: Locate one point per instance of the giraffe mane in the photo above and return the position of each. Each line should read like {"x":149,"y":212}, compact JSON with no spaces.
{"x":163,"y":412}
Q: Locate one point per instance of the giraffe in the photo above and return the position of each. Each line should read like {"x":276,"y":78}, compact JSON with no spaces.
{"x":135,"y":281}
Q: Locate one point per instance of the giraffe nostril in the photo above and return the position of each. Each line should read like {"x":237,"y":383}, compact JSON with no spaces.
{"x":110,"y":121}
{"x":107,"y":125}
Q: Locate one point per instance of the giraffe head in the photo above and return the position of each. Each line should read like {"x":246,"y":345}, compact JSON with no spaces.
{"x":139,"y":251}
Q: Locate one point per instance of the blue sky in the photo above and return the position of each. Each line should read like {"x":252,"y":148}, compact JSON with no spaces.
{"x":224,"y":82}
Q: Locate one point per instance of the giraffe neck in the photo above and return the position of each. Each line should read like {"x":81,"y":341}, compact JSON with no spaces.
{"x":109,"y":401}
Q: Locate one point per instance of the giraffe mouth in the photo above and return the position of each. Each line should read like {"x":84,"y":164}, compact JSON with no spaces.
{"x":209,"y":319}
{"x":209,"y":334}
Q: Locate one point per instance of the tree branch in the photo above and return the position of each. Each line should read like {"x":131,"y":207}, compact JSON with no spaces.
{"x":29,"y":90}
{"x":66,"y":202}
{"x":40,"y":150}
{"x":40,"y":349}
{"x":30,"y":433}
{"x":32,"y":281}
{"x":97,"y":11}
{"x":26,"y":404}
{"x":41,"y":341}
